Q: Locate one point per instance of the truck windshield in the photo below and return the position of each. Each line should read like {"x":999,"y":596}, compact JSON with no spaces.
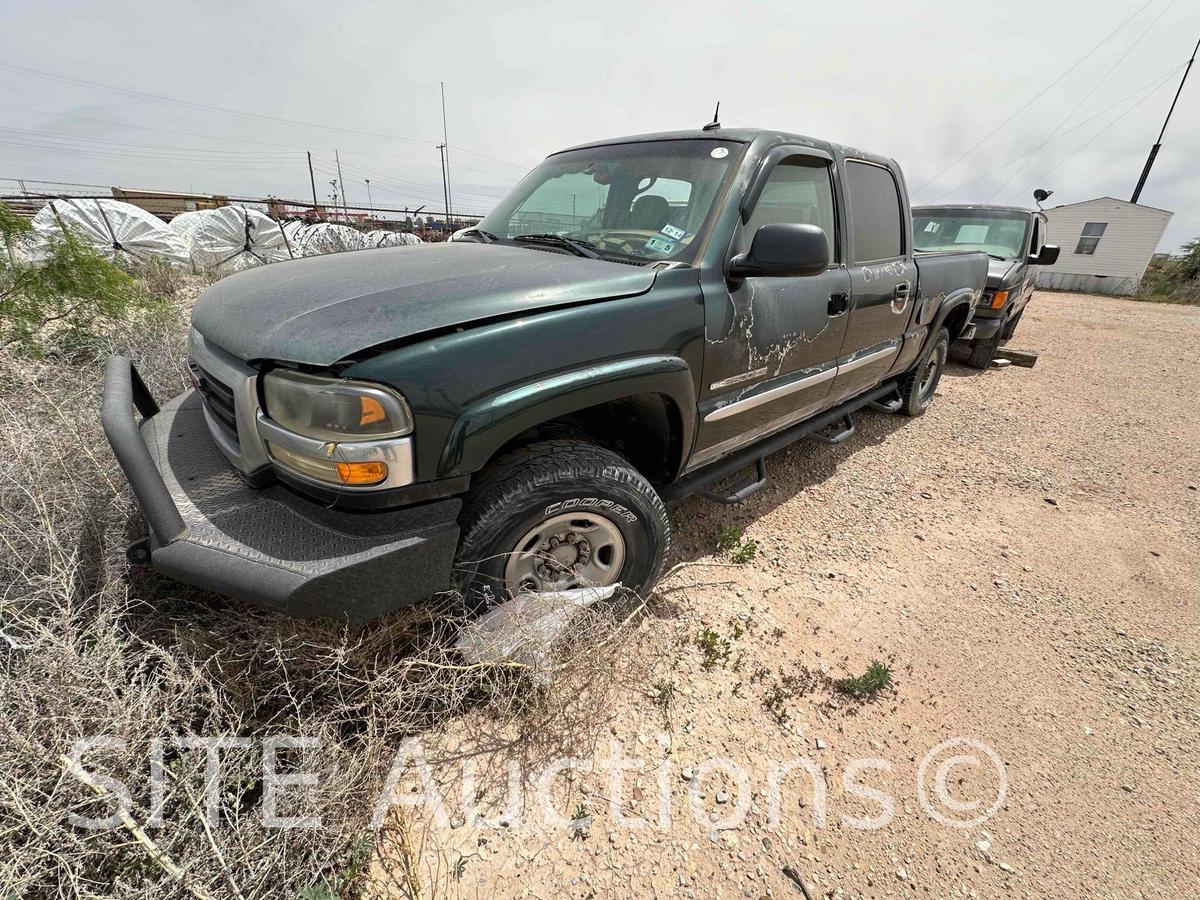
{"x":1000,"y":232}
{"x":642,"y":201}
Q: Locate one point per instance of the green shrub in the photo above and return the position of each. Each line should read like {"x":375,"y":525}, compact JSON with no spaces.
{"x":68,"y":293}
{"x":876,"y":680}
{"x":1175,"y":279}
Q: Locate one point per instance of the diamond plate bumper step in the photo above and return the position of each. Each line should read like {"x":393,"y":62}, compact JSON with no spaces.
{"x":268,"y":545}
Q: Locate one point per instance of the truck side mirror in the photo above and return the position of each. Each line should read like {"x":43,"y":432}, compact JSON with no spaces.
{"x":783,"y":249}
{"x":1048,"y":255}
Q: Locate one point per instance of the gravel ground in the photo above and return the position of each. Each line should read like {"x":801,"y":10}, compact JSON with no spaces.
{"x":1024,"y":557}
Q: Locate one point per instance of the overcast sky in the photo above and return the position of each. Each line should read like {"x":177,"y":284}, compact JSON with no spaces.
{"x":920,"y":81}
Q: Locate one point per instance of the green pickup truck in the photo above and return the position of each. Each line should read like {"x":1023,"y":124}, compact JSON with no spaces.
{"x":639,"y":320}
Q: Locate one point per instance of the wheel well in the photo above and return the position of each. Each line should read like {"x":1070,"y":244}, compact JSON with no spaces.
{"x":646,"y":429}
{"x":956,"y":320}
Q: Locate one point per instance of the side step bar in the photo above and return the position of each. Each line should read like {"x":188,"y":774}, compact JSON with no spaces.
{"x":742,"y":489}
{"x":840,"y":437}
{"x":756,"y":454}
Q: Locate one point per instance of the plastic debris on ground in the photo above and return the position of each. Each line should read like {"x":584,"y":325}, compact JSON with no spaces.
{"x":118,"y":231}
{"x":524,"y":629}
{"x":232,"y":238}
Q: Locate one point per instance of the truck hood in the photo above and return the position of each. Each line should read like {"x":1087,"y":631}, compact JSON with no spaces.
{"x":321,"y":309}
{"x":998,"y":270}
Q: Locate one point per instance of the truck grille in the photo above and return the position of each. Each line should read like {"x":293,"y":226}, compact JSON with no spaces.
{"x":218,"y":399}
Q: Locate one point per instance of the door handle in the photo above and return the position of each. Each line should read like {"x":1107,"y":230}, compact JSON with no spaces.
{"x":901,"y":291}
{"x":838,"y":304}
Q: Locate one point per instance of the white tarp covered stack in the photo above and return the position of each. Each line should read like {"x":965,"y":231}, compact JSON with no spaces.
{"x":232,"y":238}
{"x":118,"y":231}
{"x":294,"y":230}
{"x":390,"y":239}
{"x":383,"y":238}
{"x":327,"y":237}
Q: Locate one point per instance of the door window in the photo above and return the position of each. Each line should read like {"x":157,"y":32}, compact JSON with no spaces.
{"x":798,"y":191}
{"x":875,"y":212}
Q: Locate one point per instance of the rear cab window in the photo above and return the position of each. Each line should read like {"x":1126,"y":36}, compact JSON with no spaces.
{"x":876,"y":213}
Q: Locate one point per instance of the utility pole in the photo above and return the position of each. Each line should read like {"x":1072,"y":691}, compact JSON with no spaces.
{"x":370,"y":202}
{"x":311,"y":180}
{"x":445,"y":184}
{"x":1137,"y":191}
{"x":342,"y":185}
{"x":446,"y":143}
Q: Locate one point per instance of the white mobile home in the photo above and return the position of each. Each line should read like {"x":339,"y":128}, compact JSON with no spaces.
{"x":1106,"y":245}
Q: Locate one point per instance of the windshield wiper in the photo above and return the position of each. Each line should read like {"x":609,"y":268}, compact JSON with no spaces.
{"x":579,"y":248}
{"x":486,"y":236}
{"x":1001,"y":258}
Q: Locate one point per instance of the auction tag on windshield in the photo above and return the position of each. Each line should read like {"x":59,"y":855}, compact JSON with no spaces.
{"x":719,"y":152}
{"x":674,"y":233}
{"x":660,"y":245}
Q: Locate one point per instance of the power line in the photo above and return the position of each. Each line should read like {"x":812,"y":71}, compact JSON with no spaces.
{"x":1041,"y":92}
{"x":1137,"y":191}
{"x":163,"y":98}
{"x":1088,"y":95}
{"x":1148,"y":89}
{"x":1103,"y":131}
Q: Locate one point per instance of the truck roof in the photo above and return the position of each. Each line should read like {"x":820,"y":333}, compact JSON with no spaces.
{"x":998,"y":208}
{"x":769,"y":136}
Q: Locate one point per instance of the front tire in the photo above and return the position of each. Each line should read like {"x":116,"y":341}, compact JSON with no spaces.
{"x":558,"y":515}
{"x":982,"y":352}
{"x":918,"y":386}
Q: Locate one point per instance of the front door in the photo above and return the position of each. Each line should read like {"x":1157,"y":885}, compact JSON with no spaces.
{"x":774,"y":355}
{"x":883,"y":278}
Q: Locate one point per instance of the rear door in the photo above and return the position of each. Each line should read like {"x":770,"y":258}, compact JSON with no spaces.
{"x":776,"y":362}
{"x":883,"y":276}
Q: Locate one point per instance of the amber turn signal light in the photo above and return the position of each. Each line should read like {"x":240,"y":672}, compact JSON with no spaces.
{"x":362,"y":472}
{"x":998,"y":299}
{"x":370,"y":411}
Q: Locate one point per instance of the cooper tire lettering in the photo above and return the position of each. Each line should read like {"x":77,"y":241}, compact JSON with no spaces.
{"x":609,"y":506}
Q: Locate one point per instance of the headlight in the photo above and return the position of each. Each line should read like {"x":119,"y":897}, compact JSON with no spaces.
{"x":331,"y":409}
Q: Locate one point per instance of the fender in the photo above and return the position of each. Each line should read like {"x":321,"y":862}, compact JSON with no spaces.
{"x":489,"y":423}
{"x":962,"y":297}
{"x":931,"y":312}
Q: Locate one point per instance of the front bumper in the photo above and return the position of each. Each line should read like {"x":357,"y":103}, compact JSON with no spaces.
{"x":980,"y":328}
{"x":269,"y":546}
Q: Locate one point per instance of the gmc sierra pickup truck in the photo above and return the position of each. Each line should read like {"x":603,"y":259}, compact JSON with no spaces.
{"x":640,"y":319}
{"x":1014,"y":240}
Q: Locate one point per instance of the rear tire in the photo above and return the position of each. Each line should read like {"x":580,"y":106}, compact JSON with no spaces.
{"x":982,"y":352}
{"x":613,"y":525}
{"x":918,"y":386}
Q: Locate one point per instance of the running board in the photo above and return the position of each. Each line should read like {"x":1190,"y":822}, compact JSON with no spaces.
{"x":890,"y":405}
{"x":839,"y":437}
{"x":742,"y":490}
{"x":696,"y":482}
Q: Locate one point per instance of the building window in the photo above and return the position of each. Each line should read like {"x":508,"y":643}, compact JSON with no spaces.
{"x":1090,"y":237}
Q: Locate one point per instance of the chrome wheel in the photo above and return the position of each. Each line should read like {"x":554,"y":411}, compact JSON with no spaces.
{"x":567,"y":551}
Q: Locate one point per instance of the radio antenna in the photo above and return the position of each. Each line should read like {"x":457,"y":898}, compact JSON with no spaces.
{"x":716,"y":122}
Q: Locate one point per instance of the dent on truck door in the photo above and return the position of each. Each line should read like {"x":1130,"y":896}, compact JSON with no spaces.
{"x":883,"y":278}
{"x":776,"y":358}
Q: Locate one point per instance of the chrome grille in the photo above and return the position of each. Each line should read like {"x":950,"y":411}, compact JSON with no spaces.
{"x":218,"y":399}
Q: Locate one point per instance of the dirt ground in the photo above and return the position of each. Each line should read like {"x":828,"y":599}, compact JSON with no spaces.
{"x":1025,"y":558}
